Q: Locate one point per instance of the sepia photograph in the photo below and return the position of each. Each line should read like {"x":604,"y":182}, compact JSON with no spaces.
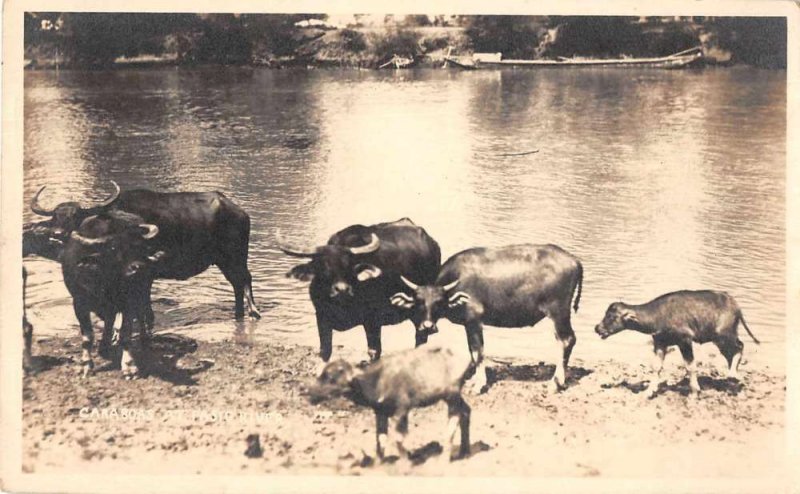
{"x":348,"y":249}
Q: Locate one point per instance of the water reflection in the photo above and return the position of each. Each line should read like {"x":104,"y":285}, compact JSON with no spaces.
{"x":657,"y":180}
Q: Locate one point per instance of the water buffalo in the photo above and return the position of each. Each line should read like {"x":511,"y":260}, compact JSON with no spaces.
{"x":107,"y":265}
{"x":509,"y":287}
{"x":197,"y":229}
{"x":354,"y":274}
{"x":398,"y":383}
{"x":679,"y":318}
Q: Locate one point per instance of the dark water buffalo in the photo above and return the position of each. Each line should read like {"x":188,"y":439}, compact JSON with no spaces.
{"x":398,"y":383}
{"x":509,"y":287}
{"x":27,"y":327}
{"x":354,"y":274}
{"x":197,"y":229}
{"x":680,"y":318}
{"x":108,"y":266}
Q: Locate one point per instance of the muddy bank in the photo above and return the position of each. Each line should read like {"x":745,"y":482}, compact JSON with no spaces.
{"x":205,"y":404}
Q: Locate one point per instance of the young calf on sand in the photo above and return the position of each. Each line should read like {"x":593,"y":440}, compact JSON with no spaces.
{"x":679,"y":318}
{"x":395,"y":384}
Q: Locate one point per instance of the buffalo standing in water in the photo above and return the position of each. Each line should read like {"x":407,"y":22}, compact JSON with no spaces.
{"x":107,"y":265}
{"x":353,"y":275}
{"x":197,"y":229}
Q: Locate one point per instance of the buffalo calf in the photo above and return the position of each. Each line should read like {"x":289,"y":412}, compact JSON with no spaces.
{"x":680,"y":318}
{"x":394,"y":385}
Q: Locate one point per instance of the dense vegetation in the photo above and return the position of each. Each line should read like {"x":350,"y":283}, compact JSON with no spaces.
{"x":99,"y":39}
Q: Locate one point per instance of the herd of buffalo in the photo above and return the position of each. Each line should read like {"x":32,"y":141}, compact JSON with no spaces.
{"x":111,"y":253}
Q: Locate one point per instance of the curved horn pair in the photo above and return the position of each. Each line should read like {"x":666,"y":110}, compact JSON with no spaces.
{"x":38,"y":209}
{"x":372,"y":246}
{"x":151,"y":231}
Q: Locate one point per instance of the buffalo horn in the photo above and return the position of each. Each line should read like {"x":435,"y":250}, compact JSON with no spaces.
{"x":152,"y":230}
{"x":89,"y":241}
{"x":283,"y":246}
{"x":408,"y":283}
{"x":450,"y":286}
{"x":36,"y":208}
{"x":372,"y":246}
{"x":110,"y":199}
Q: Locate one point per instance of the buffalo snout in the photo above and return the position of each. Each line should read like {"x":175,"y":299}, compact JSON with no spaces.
{"x":341,"y":288}
{"x":428,"y":327}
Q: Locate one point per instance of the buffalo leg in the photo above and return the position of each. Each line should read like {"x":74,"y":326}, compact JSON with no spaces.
{"x":108,"y":336}
{"x":691,"y":368}
{"x":87,"y":338}
{"x":402,"y":433}
{"x":731,"y":349}
{"x":474,"y":330}
{"x":325,"y":339}
{"x":27,"y":327}
{"x":458,"y":413}
{"x":242,"y":282}
{"x":420,"y":338}
{"x":127,"y":363}
{"x":659,"y":352}
{"x":566,"y":336}
{"x":381,"y":433}
{"x":373,"y":340}
{"x":27,"y":338}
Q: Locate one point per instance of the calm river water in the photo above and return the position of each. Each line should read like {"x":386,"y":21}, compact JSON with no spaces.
{"x":656,"y":180}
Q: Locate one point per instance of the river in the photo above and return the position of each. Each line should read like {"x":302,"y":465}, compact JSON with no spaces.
{"x":657,"y":180}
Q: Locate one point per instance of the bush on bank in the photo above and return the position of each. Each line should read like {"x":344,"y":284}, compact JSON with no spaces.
{"x":98,"y":40}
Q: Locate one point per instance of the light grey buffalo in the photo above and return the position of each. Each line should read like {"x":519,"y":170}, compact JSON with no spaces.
{"x":509,"y":287}
{"x":394,"y":385}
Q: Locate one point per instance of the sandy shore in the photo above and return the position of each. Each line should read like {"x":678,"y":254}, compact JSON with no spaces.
{"x":202,"y":400}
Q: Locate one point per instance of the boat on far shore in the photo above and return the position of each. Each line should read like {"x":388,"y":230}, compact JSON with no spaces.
{"x":682,"y":59}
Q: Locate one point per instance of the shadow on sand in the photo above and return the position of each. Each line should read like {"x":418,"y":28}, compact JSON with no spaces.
{"x":538,"y":373}
{"x":42,"y":363}
{"x":723,"y":385}
{"x":167,"y":357}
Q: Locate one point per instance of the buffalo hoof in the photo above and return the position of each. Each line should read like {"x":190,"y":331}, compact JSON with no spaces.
{"x":255,"y":315}
{"x":477,"y":386}
{"x":556,"y":387}
{"x":130,"y":373}
{"x":128,"y":367}
{"x":87,"y":369}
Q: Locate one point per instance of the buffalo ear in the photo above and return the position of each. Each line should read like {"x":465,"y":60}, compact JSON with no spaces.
{"x":366,"y":272}
{"x":402,"y":300}
{"x":302,"y":272}
{"x":456,"y":299}
{"x":629,"y":317}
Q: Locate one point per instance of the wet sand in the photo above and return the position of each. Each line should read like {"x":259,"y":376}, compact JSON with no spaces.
{"x":201,"y":401}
